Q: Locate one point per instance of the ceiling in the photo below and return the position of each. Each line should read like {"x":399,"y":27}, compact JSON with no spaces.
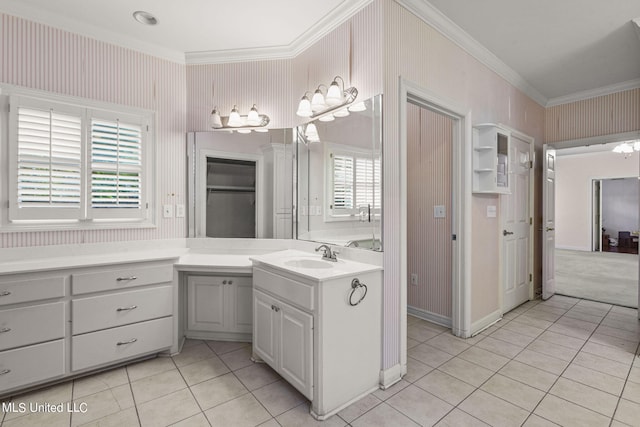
{"x":560,"y":48}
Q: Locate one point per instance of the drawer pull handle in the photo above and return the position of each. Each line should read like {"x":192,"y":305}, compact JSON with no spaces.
{"x":5,"y":372}
{"x":131,"y":341}
{"x":5,"y":293}
{"x":3,"y":330}
{"x":133,"y":307}
{"x":122,"y":279}
{"x":275,"y":308}
{"x":224,"y":282}
{"x":231,"y":282}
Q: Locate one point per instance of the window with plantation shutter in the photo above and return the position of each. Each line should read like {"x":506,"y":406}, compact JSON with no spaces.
{"x":355,"y":184}
{"x":343,"y":191}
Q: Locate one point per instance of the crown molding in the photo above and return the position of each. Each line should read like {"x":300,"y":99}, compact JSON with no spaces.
{"x":321,"y":28}
{"x":16,"y":8}
{"x":436,"y":19}
{"x":592,"y":93}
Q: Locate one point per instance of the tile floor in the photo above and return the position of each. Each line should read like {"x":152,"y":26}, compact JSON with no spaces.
{"x":564,"y":361}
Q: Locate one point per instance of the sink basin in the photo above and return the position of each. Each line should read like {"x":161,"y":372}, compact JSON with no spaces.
{"x":308,"y":263}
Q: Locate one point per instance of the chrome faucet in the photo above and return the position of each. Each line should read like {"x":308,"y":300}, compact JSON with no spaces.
{"x":328,"y":254}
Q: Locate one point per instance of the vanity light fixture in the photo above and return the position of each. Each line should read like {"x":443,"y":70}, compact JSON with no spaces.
{"x":327,"y":118}
{"x":311,"y":132}
{"x":318,"y":102}
{"x":235,"y":121}
{"x":336,"y":98}
{"x":304,"y":107}
{"x":343,"y":112}
{"x":357,"y":107}
{"x":335,"y":95}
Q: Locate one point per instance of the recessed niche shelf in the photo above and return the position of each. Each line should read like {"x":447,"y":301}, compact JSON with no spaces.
{"x":491,"y":159}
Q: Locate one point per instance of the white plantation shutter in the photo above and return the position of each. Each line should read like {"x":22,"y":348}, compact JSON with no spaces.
{"x":356,"y":183}
{"x":48,"y":181}
{"x":116,"y":169}
{"x":343,"y":190}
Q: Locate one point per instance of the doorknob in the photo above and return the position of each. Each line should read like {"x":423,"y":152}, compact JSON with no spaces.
{"x":506,"y":233}
{"x":550,"y":228}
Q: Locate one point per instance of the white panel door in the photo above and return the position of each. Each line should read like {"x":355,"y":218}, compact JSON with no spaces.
{"x":516,"y":225}
{"x":296,"y":346}
{"x":548,"y":222}
{"x":240,"y":292}
{"x":206,"y":305}
{"x":264,"y":328}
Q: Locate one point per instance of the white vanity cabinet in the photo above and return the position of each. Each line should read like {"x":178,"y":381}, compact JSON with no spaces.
{"x":491,"y":159}
{"x":219,"y":306}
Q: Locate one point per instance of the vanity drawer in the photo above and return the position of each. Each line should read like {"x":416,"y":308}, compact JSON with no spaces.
{"x":27,"y":290}
{"x":106,"y":311}
{"x":124,"y":342}
{"x":286,"y":289}
{"x":120,"y":278}
{"x":30,"y":325}
{"x":28,"y":365}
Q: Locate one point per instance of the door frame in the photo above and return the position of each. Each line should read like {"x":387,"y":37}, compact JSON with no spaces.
{"x":461,"y":207}
{"x":532,"y":185}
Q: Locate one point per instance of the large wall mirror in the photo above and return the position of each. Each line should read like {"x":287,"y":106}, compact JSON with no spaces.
{"x":339,"y":177}
{"x":240,"y":185}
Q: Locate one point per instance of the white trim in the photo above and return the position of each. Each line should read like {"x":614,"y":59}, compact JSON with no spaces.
{"x":488,"y":320}
{"x":436,"y":19}
{"x":574,"y":248}
{"x":593,"y":93}
{"x":389,"y":377}
{"x":593,"y":140}
{"x":321,"y":28}
{"x":429,"y":316}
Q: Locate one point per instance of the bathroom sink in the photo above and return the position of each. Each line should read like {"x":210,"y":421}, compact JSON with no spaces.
{"x":307,"y":263}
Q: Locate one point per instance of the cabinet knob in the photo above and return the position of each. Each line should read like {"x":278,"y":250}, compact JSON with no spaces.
{"x":231,"y":282}
{"x":5,"y":293}
{"x":4,"y":372}
{"x":3,"y":330}
{"x":224,"y":282}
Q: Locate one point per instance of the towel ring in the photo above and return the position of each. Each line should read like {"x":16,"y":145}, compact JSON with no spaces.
{"x":355,"y":284}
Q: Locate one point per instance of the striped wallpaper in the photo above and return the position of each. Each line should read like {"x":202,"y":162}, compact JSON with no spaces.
{"x":609,"y":114}
{"x":40,"y":57}
{"x":429,"y":246}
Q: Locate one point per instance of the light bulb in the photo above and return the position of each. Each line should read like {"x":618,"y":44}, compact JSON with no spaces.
{"x":357,"y":107}
{"x":215,"y":120}
{"x":343,"y":112}
{"x":334,"y":94}
{"x":327,"y":118}
{"x":253,"y":118}
{"x":234,"y":118}
{"x":304,"y":107}
{"x":312,"y":133}
{"x":317,"y":102}
{"x":261,"y":130}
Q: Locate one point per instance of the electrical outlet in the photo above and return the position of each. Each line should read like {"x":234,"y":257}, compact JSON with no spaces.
{"x":167,"y":211}
{"x":179,"y":211}
{"x":439,"y":211}
{"x":414,"y":279}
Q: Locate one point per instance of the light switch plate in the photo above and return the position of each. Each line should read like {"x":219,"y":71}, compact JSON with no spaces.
{"x":439,"y":211}
{"x":179,"y":211}
{"x":167,"y":211}
{"x":414,"y":279}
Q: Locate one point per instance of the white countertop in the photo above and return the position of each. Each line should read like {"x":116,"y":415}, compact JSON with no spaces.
{"x":281,"y":260}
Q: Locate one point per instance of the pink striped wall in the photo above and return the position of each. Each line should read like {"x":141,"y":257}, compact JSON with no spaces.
{"x":429,"y":245}
{"x":604,"y":115}
{"x":40,"y":57}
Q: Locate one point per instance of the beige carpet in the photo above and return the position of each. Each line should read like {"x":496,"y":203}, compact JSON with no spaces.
{"x":599,"y":276}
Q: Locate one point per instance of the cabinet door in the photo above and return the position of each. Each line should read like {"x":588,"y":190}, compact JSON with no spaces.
{"x":240,"y":313}
{"x":282,"y":167}
{"x":295,"y":330}
{"x":205,"y":308}
{"x":264,"y":328}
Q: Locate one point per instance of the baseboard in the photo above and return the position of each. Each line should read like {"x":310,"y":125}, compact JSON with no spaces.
{"x":389,"y":377}
{"x":429,"y":316}
{"x":574,"y":248}
{"x":488,"y":320}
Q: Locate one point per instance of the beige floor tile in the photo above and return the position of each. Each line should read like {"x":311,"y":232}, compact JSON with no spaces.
{"x":458,"y":418}
{"x":533,"y":321}
{"x":126,"y":418}
{"x":559,"y":352}
{"x":570,"y":331}
{"x":601,"y":364}
{"x":396,"y":388}
{"x":56,"y":394}
{"x":595,"y":379}
{"x":191,"y":342}
{"x":631,"y":392}
{"x":512,"y":337}
{"x":473,"y":340}
{"x":536,"y":421}
{"x":429,"y":355}
{"x":586,"y":317}
{"x":49,"y":419}
{"x":279,"y":397}
{"x":544,"y":362}
{"x":492,"y":410}
{"x":300,"y":417}
{"x":218,"y":390}
{"x":622,"y":344}
{"x":193,"y":354}
{"x":237,"y":359}
{"x":512,"y":391}
{"x":629,"y":324}
{"x":360,"y":407}
{"x":198,"y":420}
{"x":412,"y":319}
{"x":420,"y":332}
{"x":634,"y":375}
{"x":412,"y":343}
{"x":243,"y":411}
{"x":420,"y":406}
{"x":158,"y":385}
{"x":544,"y":315}
{"x":500,"y":347}
{"x":594,"y":305}
{"x":384,"y":415}
{"x":446,"y":387}
{"x":416,"y":370}
{"x":271,"y":423}
{"x":149,"y":367}
{"x":257,"y":375}
{"x":612,"y":353}
{"x":524,"y":329}
{"x":203,"y":370}
{"x":591,"y":310}
{"x":619,"y":333}
{"x":588,"y":397}
{"x":577,"y":323}
{"x":628,"y":412}
{"x":549,"y":309}
{"x":168,"y":409}
{"x":484,"y":358}
{"x":566,"y":413}
{"x":562,"y":340}
{"x":529,"y":375}
{"x":616,"y":309}
{"x":99,"y":382}
{"x":466,"y":371}
{"x":222,"y":347}
{"x":101,"y":404}
{"x":448,"y":343}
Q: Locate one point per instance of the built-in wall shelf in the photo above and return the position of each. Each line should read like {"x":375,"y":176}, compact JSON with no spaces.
{"x":491,"y":159}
